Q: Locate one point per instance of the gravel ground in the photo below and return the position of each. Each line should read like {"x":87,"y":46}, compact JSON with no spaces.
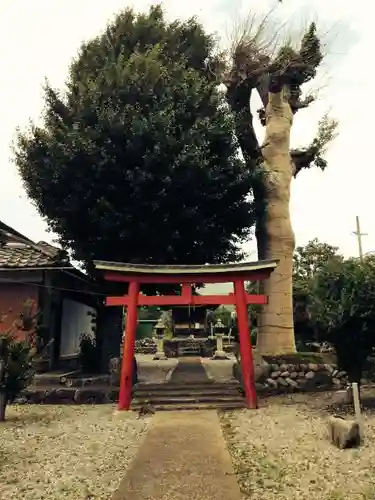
{"x":66,"y":452}
{"x":282,"y":452}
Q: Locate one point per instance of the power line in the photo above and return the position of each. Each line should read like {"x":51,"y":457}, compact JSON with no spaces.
{"x":40,"y":285}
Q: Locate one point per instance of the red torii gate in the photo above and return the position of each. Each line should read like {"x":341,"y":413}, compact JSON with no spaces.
{"x":186,"y":276}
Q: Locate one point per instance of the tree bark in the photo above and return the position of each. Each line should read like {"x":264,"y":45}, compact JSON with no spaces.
{"x":274,"y":230}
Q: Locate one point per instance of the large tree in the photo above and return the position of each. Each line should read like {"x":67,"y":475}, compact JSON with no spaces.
{"x":276,"y":71}
{"x":136,"y":159}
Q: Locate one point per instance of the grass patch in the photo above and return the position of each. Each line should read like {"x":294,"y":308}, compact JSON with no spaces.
{"x":255,"y":470}
{"x":301,"y":358}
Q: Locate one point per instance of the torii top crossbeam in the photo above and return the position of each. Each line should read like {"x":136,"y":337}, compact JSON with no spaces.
{"x":186,"y":276}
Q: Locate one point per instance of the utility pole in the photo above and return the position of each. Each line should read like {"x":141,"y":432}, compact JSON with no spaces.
{"x":359,"y":237}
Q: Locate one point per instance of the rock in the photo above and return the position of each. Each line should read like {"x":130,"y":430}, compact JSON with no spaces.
{"x":259,"y":387}
{"x":301,"y":374}
{"x":291,"y":368}
{"x":291,"y":382}
{"x":341,"y":374}
{"x":293,"y":375}
{"x":36,"y":396}
{"x":111,"y":396}
{"x":262,"y":369}
{"x":89,"y":396}
{"x":329,"y":368}
{"x":275,"y":368}
{"x":282,"y":382}
{"x":310,"y":375}
{"x":20,"y":400}
{"x":301,"y":382}
{"x":344,"y":433}
{"x":334,"y":373}
{"x":313,"y":367}
{"x":236,"y":372}
{"x":285,"y":374}
{"x":261,"y":372}
{"x":283,"y":367}
{"x":63,"y":395}
{"x":275,"y":374}
{"x":271,"y":383}
{"x":340,"y":397}
{"x":304,"y":368}
{"x":319,"y":380}
{"x":114,"y":371}
{"x":336,"y":381}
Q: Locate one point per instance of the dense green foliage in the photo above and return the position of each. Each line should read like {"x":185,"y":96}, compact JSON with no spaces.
{"x":343,"y":307}
{"x":136,"y":160}
{"x":308,"y":262}
{"x":18,"y":366}
{"x":334,"y":300}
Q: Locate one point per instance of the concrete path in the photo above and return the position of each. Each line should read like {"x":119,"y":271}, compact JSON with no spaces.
{"x":189,"y":370}
{"x":183,"y":457}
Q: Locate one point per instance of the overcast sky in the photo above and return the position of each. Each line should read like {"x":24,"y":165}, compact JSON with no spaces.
{"x":38,"y":39}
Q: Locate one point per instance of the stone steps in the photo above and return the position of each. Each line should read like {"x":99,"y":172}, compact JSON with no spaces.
{"x":192,"y":395}
{"x":187,"y":392}
{"x":199,"y":385}
{"x":185,"y":400}
{"x":218,"y":405}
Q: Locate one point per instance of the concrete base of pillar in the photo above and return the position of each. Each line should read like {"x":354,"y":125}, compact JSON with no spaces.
{"x":160,"y":356}
{"x":220,"y":355}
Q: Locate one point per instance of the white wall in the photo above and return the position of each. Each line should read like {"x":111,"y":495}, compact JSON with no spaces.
{"x":76,"y":320}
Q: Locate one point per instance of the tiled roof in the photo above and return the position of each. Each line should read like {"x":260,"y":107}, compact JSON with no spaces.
{"x":19,"y":253}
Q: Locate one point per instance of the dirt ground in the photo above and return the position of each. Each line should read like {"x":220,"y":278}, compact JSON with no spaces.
{"x":282,"y":450}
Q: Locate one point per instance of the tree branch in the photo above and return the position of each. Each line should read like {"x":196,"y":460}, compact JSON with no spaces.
{"x":313,"y":154}
{"x":302,"y":158}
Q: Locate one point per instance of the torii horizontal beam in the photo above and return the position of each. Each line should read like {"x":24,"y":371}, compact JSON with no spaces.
{"x":212,"y":273}
{"x":179,"y":300}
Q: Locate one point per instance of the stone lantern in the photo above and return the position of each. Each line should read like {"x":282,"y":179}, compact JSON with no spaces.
{"x":219,"y":334}
{"x":159,"y":333}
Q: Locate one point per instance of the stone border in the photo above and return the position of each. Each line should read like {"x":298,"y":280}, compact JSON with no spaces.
{"x":68,"y":395}
{"x":276,"y":378}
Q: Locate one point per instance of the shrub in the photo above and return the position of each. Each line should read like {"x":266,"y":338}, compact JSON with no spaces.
{"x":343,"y":308}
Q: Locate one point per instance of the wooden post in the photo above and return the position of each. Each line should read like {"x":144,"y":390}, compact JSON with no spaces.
{"x":357,"y":408}
{"x":247,"y":364}
{"x":126,"y":382}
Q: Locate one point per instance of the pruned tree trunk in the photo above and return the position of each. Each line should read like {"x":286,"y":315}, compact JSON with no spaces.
{"x":3,"y":404}
{"x":3,"y":395}
{"x":274,"y":230}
